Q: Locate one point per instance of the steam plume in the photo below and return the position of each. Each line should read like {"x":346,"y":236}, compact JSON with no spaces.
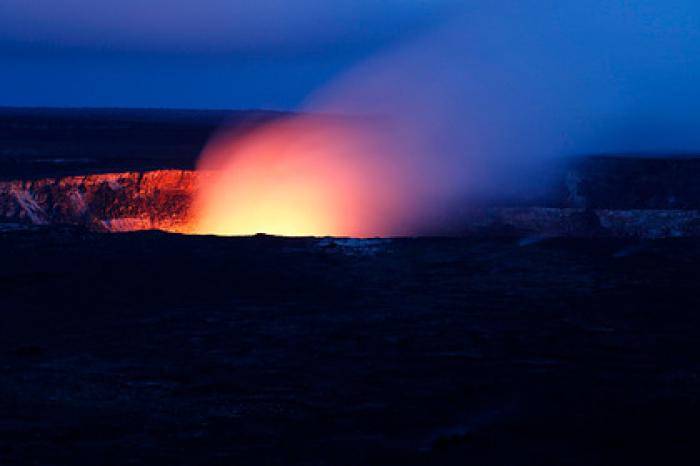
{"x":475,"y":108}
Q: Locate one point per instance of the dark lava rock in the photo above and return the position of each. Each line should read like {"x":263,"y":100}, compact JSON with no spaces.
{"x":29,"y":351}
{"x":628,"y":182}
{"x":177,"y":350}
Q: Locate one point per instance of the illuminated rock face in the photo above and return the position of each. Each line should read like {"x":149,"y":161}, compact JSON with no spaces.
{"x":159,"y":199}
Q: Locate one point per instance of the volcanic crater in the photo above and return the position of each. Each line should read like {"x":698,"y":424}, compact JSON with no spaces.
{"x":129,"y":170}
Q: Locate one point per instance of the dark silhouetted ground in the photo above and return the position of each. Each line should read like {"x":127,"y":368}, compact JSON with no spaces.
{"x":149,"y":348}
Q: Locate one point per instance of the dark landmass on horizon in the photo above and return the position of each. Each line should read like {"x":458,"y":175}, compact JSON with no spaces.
{"x":50,"y":142}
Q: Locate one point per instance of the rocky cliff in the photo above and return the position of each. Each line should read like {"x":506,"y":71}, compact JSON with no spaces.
{"x":625,"y":182}
{"x":580,"y":222}
{"x":159,"y":199}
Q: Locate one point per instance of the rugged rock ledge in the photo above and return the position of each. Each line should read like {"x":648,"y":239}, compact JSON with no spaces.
{"x":159,"y":199}
{"x":582,"y":222}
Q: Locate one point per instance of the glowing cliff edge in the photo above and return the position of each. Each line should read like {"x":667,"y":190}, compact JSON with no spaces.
{"x":305,"y":176}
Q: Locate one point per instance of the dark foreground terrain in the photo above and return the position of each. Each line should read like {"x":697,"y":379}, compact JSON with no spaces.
{"x":149,"y":348}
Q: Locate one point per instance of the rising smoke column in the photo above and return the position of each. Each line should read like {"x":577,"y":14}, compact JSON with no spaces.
{"x":477,"y":108}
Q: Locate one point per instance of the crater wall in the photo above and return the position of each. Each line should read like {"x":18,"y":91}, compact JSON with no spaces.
{"x":159,"y":199}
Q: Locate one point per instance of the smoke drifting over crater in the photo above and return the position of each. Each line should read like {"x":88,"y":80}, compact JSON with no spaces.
{"x":479,"y":107}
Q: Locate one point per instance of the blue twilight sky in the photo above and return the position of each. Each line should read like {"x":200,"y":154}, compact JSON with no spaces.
{"x":193,"y":53}
{"x":275,"y":53}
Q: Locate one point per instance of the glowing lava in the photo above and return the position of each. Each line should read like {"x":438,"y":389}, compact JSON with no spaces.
{"x":305,"y":176}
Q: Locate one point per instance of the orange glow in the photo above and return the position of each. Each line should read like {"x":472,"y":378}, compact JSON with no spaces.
{"x":301,"y":177}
